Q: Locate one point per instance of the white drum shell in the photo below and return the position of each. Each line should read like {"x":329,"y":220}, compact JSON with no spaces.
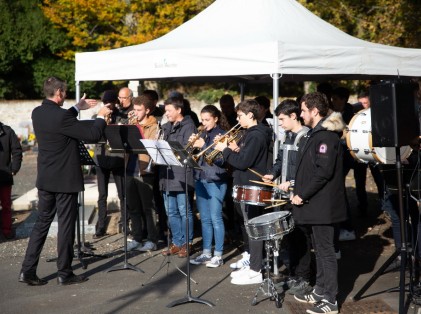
{"x":359,"y":142}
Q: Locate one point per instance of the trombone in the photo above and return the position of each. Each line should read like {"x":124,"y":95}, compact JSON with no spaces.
{"x":234,"y":130}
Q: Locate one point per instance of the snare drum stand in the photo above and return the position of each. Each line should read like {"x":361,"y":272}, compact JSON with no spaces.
{"x":267,"y":287}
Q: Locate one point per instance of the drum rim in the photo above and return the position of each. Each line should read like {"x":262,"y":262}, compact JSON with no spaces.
{"x":253,"y":187}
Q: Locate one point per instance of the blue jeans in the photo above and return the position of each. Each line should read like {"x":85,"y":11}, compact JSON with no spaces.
{"x":209,"y":199}
{"x":175,"y":205}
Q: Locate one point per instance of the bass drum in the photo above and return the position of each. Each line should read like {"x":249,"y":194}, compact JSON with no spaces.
{"x":359,"y":142}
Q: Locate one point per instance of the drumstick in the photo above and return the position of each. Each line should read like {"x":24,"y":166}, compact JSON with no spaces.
{"x":264,"y":183}
{"x":270,"y":200}
{"x":256,"y":173}
{"x":276,"y":205}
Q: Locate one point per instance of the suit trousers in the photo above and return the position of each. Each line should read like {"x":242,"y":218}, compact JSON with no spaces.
{"x":66,"y":207}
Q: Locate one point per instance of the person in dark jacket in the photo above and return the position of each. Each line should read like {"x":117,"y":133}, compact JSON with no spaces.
{"x":10,"y":162}
{"x":319,"y":195}
{"x":211,"y":186}
{"x":253,"y":154}
{"x":108,"y":163}
{"x":59,"y":177}
{"x":172,"y":179}
{"x":298,"y":240}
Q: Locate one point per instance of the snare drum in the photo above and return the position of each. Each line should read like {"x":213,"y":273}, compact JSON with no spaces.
{"x":359,"y":142}
{"x":252,"y":195}
{"x":270,"y":226}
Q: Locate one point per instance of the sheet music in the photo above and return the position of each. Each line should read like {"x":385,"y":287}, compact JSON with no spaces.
{"x":161,"y":152}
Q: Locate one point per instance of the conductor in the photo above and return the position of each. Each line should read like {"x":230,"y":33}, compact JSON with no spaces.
{"x":59,"y":177}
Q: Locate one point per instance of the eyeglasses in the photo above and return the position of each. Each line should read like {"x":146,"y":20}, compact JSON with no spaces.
{"x":124,"y":98}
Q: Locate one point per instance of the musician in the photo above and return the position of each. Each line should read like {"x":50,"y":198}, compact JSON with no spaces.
{"x":178,"y":128}
{"x":253,"y":154}
{"x":211,"y":186}
{"x":59,"y":177}
{"x":319,"y":195}
{"x":108,"y":163}
{"x":299,"y":242}
{"x":141,"y":204}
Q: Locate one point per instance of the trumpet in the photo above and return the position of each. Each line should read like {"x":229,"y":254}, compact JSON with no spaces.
{"x":235,"y":129}
{"x":189,"y":147}
{"x":132,"y":118}
{"x":158,"y":136}
{"x":236,"y":135}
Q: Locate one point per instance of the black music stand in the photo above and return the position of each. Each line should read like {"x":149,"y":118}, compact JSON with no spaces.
{"x":162,"y":154}
{"x":187,"y":162}
{"x":124,"y":139}
{"x":82,"y":249}
{"x":403,"y":251}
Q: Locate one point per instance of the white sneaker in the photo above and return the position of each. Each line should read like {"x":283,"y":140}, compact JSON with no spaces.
{"x":248,"y":277}
{"x":244,"y":261}
{"x":239,"y":272}
{"x":148,"y":246}
{"x":345,"y":235}
{"x":216,"y":261}
{"x":133,"y":245}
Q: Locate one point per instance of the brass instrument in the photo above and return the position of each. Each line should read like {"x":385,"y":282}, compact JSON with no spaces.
{"x":189,"y":147}
{"x":158,"y":136}
{"x":132,"y":118}
{"x":236,"y":135}
{"x":234,"y":129}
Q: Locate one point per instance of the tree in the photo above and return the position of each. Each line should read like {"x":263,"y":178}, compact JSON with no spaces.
{"x":25,"y":35}
{"x":94,"y":25}
{"x":388,"y":22}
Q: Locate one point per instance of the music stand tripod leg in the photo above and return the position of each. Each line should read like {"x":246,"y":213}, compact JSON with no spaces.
{"x":188,"y":298}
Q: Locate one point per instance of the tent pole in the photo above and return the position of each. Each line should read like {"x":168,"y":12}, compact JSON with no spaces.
{"x":242,"y":88}
{"x":275,"y":77}
{"x":77,"y":83}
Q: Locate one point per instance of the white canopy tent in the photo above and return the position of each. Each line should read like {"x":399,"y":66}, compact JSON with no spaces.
{"x":251,"y":40}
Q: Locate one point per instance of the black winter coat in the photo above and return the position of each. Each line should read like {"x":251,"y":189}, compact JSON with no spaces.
{"x":319,"y":179}
{"x":10,"y":155}
{"x":253,"y":154}
{"x":180,"y":132}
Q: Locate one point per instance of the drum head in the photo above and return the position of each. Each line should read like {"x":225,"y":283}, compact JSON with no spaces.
{"x":268,"y":217}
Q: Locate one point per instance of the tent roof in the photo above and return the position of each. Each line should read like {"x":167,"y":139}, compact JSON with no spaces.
{"x":251,"y":39}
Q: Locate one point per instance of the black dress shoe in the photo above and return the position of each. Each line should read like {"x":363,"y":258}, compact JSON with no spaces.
{"x":32,"y":280}
{"x":71,"y":280}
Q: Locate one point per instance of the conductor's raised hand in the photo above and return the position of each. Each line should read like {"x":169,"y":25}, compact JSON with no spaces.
{"x":84,"y":103}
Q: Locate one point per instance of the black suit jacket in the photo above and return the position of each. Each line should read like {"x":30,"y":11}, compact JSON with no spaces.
{"x":58,"y":132}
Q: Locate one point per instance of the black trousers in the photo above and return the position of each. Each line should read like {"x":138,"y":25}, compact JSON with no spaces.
{"x":326,"y":263}
{"x":254,"y":247}
{"x":360,"y":175}
{"x":66,"y":207}
{"x":299,"y":248}
{"x":103,"y":178}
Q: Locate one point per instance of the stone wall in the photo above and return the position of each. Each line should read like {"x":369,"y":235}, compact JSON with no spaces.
{"x":17,"y":113}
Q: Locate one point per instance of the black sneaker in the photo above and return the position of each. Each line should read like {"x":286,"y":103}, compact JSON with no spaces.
{"x":311,"y":297}
{"x":324,"y":307}
{"x":299,"y":287}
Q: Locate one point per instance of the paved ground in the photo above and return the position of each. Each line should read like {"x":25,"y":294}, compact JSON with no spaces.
{"x":129,"y":291}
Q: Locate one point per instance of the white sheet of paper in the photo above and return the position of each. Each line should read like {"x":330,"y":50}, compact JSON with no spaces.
{"x":161,"y":152}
